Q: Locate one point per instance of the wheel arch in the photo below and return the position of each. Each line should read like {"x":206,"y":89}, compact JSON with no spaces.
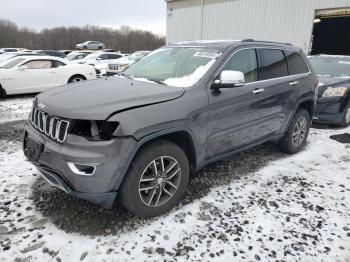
{"x":306,"y":103}
{"x":76,"y":75}
{"x":182,"y":137}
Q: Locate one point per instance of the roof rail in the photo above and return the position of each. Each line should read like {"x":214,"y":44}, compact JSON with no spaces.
{"x":262,"y":41}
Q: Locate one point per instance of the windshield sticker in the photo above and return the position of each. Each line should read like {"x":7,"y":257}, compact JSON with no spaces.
{"x":206,"y":54}
{"x":344,"y":62}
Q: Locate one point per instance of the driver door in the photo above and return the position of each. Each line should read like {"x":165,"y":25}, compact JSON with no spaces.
{"x":36,"y":76}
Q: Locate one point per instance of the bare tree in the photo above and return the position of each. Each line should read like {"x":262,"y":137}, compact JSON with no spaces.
{"x":125,"y":39}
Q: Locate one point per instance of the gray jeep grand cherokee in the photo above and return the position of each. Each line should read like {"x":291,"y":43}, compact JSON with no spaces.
{"x":141,"y":134}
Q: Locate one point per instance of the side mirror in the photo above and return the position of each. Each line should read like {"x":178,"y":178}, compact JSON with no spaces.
{"x":98,"y":58}
{"x":229,"y":79}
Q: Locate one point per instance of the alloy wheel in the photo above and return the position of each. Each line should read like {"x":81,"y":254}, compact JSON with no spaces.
{"x":159,"y":181}
{"x":299,"y":132}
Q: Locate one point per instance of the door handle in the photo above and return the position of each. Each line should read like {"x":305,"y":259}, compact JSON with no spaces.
{"x":258,"y":91}
{"x":294,"y":83}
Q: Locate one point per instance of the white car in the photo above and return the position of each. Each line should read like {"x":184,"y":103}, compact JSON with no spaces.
{"x":99,"y":57}
{"x":33,"y":74}
{"x":124,"y":62}
{"x":90,"y":45}
{"x":101,"y":68}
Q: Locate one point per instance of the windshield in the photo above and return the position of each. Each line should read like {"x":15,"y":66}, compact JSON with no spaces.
{"x":76,"y":56}
{"x":331,"y":66}
{"x":176,"y":66}
{"x":92,"y":56}
{"x":12,"y":63}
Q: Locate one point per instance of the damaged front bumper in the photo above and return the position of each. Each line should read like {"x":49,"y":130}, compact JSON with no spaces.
{"x":91,"y":170}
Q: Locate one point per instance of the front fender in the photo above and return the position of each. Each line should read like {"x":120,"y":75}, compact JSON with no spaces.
{"x":147,"y":138}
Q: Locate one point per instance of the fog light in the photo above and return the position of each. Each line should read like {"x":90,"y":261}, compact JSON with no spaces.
{"x":82,"y":169}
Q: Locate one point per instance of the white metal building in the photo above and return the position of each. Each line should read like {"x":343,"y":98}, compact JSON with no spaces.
{"x":292,"y":21}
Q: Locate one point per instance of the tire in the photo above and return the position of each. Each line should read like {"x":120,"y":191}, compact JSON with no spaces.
{"x":346,"y":118}
{"x":161,"y":196}
{"x":76,"y":79}
{"x":2,"y":92}
{"x":100,"y":48}
{"x":293,"y":140}
{"x":85,"y":47}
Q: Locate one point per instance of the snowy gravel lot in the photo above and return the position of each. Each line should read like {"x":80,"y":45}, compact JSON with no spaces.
{"x":260,"y":205}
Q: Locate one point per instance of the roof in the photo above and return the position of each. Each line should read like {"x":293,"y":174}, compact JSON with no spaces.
{"x":223,"y":44}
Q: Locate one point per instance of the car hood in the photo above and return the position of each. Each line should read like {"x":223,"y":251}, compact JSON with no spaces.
{"x":99,"y":99}
{"x":327,"y":81}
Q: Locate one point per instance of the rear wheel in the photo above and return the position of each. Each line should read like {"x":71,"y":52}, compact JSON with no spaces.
{"x":346,"y":119}
{"x":100,"y":47}
{"x":76,"y":79}
{"x":157,"y":179}
{"x":298,"y":131}
{"x":2,"y":92}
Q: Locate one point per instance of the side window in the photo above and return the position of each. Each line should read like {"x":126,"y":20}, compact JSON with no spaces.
{"x":296,"y":64}
{"x":274,"y":64}
{"x":114,"y":56}
{"x":103,"y":57}
{"x":38,"y":64}
{"x":246,"y":62}
{"x":57,"y":63}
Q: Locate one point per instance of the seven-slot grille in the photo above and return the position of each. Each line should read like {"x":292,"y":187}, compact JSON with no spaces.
{"x":53,"y":127}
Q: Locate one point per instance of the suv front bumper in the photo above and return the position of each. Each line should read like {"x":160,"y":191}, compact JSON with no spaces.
{"x":52,"y":158}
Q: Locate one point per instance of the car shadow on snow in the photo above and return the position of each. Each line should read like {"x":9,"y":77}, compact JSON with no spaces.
{"x":75,"y":215}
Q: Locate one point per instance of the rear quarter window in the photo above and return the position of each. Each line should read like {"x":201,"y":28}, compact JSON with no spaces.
{"x":296,"y":64}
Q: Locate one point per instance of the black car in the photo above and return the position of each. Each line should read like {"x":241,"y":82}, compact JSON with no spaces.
{"x":333,"y":104}
{"x":52,"y":53}
{"x":138,"y":136}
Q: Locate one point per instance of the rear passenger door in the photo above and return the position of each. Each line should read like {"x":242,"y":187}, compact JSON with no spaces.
{"x":278,"y":87}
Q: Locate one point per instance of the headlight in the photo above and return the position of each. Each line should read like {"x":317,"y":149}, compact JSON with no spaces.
{"x":95,"y":130}
{"x":335,"y":91}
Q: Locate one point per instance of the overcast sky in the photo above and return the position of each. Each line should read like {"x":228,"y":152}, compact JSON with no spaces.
{"x":39,"y":14}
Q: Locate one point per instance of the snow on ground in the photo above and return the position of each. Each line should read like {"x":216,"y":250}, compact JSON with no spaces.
{"x":257,"y":206}
{"x":15,"y":108}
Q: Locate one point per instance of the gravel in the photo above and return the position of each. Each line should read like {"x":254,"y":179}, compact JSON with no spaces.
{"x":247,"y":207}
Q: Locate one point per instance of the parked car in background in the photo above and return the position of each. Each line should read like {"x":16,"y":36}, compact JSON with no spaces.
{"x":6,"y":56}
{"x":91,"y":45}
{"x":333,"y":105}
{"x":124,"y":62}
{"x":66,"y":52}
{"x":170,"y":114}
{"x":101,"y":68}
{"x":99,"y":57}
{"x":108,"y":50}
{"x":8,"y":50}
{"x":75,"y":56}
{"x":52,"y":53}
{"x":32,"y":74}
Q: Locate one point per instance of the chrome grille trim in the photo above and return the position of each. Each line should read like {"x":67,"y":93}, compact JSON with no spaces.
{"x":51,"y":126}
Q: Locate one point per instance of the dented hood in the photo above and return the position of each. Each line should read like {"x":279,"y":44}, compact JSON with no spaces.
{"x":98,"y":99}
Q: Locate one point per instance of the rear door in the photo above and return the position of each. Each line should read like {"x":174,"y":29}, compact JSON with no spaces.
{"x":278,"y":88}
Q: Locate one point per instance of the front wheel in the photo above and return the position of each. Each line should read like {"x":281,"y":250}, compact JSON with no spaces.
{"x":346,"y":119}
{"x":296,"y":135}
{"x":157,"y":179}
{"x":76,"y":79}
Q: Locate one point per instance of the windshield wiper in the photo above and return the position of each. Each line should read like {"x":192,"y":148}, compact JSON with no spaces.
{"x":127,"y":76}
{"x":156,"y":81}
